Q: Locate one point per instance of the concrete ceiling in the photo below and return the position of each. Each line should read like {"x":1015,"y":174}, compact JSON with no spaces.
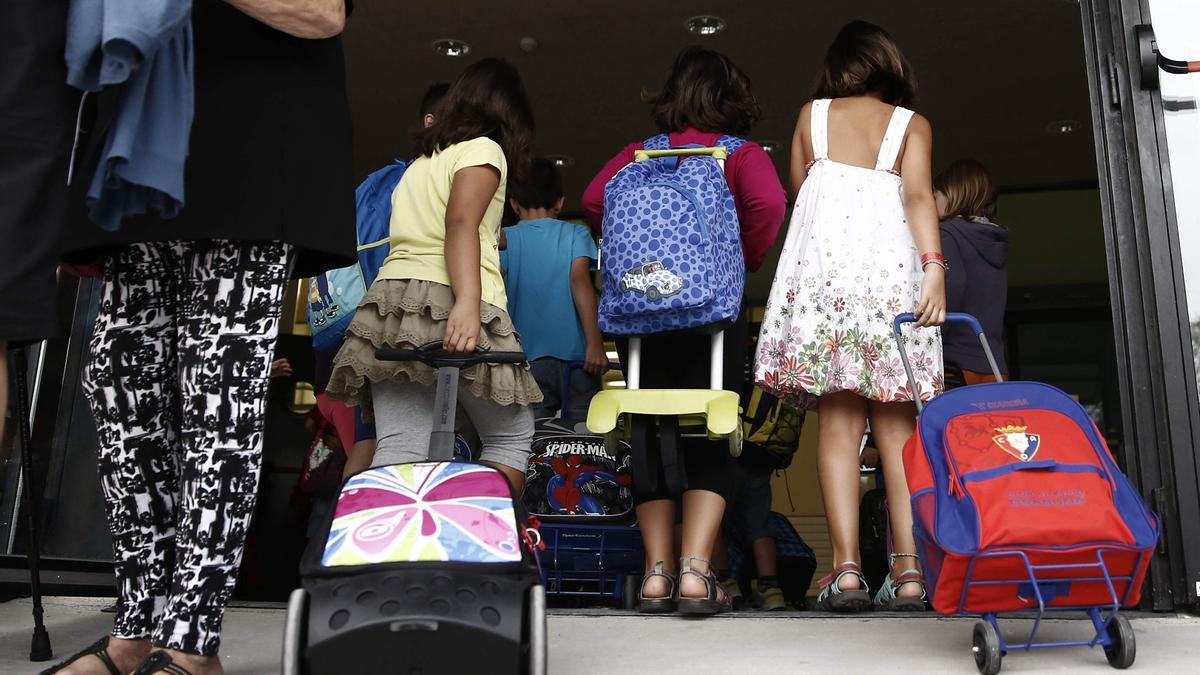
{"x":993,"y":73}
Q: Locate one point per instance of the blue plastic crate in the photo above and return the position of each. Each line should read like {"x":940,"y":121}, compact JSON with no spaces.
{"x":590,"y":559}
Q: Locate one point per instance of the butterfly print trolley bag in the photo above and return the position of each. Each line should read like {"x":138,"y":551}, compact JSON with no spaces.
{"x":422,"y":568}
{"x":1018,"y":505}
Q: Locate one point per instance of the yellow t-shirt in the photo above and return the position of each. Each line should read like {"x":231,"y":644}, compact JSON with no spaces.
{"x":418,"y":225}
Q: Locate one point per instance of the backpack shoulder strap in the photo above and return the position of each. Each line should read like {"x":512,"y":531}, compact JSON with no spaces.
{"x":893,"y":138}
{"x":819,"y":128}
{"x":731,"y":144}
{"x":659,"y":142}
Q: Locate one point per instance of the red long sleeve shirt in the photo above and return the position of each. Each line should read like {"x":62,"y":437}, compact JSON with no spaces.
{"x":757,"y":192}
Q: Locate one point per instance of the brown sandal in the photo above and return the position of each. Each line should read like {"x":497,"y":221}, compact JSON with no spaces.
{"x":715,"y":602}
{"x":659,"y":604}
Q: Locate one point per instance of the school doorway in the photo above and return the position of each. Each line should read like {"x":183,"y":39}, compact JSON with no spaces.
{"x":1020,"y":85}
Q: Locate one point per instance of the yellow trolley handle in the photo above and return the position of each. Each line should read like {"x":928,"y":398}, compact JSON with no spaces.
{"x":718,"y":153}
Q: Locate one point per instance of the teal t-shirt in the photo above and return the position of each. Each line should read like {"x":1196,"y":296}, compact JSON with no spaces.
{"x":537,"y":276}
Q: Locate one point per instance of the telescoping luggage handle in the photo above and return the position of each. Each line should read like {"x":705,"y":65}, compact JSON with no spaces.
{"x":441,"y":440}
{"x":951,"y":317}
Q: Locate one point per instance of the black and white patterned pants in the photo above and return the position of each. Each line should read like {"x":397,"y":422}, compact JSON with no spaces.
{"x":178,"y":376}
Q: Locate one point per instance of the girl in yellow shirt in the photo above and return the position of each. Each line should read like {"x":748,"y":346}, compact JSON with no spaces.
{"x":442,"y":280}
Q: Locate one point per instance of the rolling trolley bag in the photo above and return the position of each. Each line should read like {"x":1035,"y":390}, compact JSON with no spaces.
{"x":671,"y":261}
{"x":573,"y":475}
{"x":1017,"y":502}
{"x":422,"y":568}
{"x":576,"y":477}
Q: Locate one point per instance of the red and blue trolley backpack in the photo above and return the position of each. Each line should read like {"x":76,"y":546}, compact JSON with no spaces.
{"x":1008,"y":471}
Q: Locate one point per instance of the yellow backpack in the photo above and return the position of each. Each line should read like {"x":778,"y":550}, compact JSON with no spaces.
{"x":770,"y":431}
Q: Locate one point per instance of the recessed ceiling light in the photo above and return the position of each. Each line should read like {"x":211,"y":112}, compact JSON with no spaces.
{"x":705,"y":25}
{"x":1064,"y":127}
{"x":771,"y":147}
{"x":562,"y":161}
{"x":451,"y":47}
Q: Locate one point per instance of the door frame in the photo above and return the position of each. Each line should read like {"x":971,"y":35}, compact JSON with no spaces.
{"x":1157,"y":374}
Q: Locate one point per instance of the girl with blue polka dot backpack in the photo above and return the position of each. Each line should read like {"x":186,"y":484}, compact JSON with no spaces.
{"x":683,"y":215}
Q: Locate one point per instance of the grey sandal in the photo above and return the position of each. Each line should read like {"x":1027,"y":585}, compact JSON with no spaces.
{"x":715,"y":602}
{"x":658,"y":604}
{"x":833,"y":599}
{"x":887,"y":599}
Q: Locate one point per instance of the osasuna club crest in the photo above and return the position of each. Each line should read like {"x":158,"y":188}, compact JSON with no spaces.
{"x":1013,"y":440}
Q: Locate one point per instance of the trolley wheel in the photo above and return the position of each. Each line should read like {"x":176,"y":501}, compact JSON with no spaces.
{"x":624,"y":286}
{"x":536,"y":619}
{"x":1123,"y":649}
{"x":652,"y":293}
{"x":735,"y":440}
{"x":295,"y":627}
{"x":629,"y":592}
{"x":985,"y":644}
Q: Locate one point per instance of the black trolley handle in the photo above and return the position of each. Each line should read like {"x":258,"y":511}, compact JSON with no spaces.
{"x":448,"y":365}
{"x":433,"y":355}
{"x":951,"y":317}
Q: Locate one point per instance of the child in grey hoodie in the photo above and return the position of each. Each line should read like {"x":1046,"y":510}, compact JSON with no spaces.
{"x":977,"y":282}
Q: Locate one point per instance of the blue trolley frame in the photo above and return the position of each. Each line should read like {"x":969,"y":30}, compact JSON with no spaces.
{"x":1100,"y":621}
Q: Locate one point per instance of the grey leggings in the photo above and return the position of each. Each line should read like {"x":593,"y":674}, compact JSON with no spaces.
{"x":404,"y":420}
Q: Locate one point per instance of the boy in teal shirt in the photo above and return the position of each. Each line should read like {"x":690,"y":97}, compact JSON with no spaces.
{"x":547,"y":267}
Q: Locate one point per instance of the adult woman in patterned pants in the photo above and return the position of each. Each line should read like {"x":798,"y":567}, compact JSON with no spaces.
{"x":190,"y":309}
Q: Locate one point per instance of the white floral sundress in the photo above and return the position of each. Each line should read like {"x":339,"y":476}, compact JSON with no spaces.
{"x":849,"y":266}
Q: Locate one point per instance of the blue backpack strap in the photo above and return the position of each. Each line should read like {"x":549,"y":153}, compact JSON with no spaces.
{"x":659,"y":142}
{"x":731,"y":143}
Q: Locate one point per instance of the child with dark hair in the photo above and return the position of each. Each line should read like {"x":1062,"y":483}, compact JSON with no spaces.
{"x":442,"y":281}
{"x":863,"y":246}
{"x":705,"y":97}
{"x":429,"y":103}
{"x":551,"y":297}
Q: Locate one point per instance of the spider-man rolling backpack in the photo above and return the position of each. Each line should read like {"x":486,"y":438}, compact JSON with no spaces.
{"x":572,"y":476}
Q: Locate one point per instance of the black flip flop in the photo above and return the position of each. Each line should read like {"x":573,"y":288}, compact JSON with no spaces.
{"x":99,"y":649}
{"x":160,"y":662}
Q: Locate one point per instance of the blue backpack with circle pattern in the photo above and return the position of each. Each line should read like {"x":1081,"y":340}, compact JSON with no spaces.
{"x":671,"y":256}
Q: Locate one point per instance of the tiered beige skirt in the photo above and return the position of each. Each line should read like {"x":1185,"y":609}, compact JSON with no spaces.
{"x":408,"y":313}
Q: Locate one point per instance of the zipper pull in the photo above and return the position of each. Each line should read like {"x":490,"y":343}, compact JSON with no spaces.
{"x":956,"y":488}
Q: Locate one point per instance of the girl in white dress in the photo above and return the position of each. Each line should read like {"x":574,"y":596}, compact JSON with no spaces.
{"x":862,"y":247}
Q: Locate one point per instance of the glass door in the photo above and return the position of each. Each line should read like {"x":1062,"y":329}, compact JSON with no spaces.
{"x":1147,"y":134}
{"x":1176,"y":25}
